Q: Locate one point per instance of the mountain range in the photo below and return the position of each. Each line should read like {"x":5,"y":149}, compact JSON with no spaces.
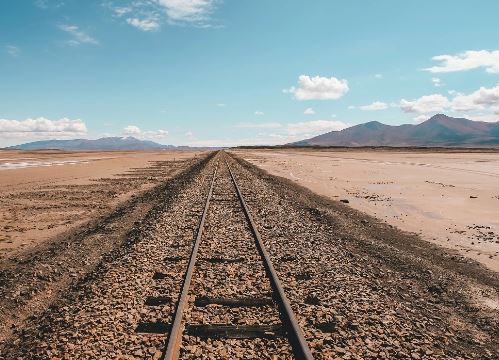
{"x":439,"y":130}
{"x":107,"y":143}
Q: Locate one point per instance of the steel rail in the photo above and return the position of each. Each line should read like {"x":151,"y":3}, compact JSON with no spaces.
{"x":175,"y":337}
{"x":295,"y":334}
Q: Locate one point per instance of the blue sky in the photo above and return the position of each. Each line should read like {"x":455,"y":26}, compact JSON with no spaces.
{"x":228,"y":72}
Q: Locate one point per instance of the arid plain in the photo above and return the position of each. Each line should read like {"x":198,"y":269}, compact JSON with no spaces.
{"x":45,"y":193}
{"x":96,"y":245}
{"x":449,"y":197}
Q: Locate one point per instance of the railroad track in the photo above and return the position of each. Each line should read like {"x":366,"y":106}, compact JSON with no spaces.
{"x":231,"y":301}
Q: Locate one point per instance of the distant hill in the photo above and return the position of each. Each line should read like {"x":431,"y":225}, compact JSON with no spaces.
{"x":440,"y":130}
{"x":107,"y":143}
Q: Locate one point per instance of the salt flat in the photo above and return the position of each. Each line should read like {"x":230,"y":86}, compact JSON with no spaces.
{"x":450,"y":198}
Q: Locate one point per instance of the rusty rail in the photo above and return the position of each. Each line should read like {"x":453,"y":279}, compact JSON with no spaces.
{"x":175,"y":337}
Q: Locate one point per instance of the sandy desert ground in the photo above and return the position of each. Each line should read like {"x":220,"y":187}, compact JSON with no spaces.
{"x":449,"y":198}
{"x":44,"y":193}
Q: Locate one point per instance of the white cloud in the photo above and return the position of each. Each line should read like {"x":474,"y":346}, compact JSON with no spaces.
{"x":147,"y":15}
{"x":483,"y":99}
{"x":41,"y":127}
{"x":188,"y":11}
{"x":131,"y":130}
{"x":315,"y":127}
{"x":421,"y":118}
{"x":468,"y":60}
{"x":484,"y":96}
{"x":478,"y":100}
{"x":377,"y":105}
{"x":309,"y":111}
{"x":258,"y":139}
{"x":269,"y":125}
{"x":425,"y":104}
{"x":120,"y":11}
{"x":221,"y":105}
{"x":284,"y":133}
{"x":351,"y":107}
{"x":150,"y":24}
{"x":78,"y":36}
{"x":465,"y":103}
{"x":437,"y":82}
{"x":231,"y":142}
{"x":45,"y":4}
{"x":42,"y":4}
{"x":135,"y":131}
{"x":259,"y":113}
{"x":12,"y":50}
{"x":319,"y":88}
{"x":156,"y":134}
{"x":483,"y":117}
{"x":378,"y":76}
{"x":333,"y":115}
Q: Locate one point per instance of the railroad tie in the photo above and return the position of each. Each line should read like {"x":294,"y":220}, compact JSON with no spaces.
{"x":157,"y":300}
{"x":159,"y":275}
{"x":220,"y":331}
{"x":174,"y":258}
{"x":203,"y":301}
{"x":157,"y":328}
{"x":221,"y":260}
